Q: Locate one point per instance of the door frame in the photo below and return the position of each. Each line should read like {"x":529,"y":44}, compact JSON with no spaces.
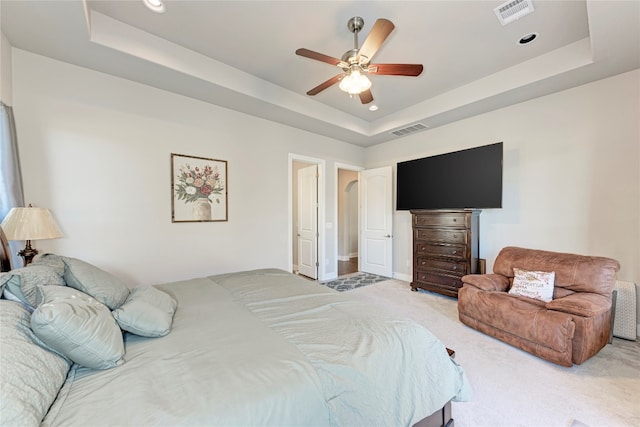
{"x":321,"y":163}
{"x":355,"y":168}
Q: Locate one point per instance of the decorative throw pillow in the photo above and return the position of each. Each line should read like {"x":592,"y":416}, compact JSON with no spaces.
{"x":50,"y":260}
{"x":93,"y":281}
{"x":30,"y":375}
{"x":77,"y":326}
{"x":148,"y":312}
{"x":533,"y":284}
{"x":22,"y":282}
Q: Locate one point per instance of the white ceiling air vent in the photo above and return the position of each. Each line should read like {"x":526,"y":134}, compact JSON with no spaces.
{"x":410,"y":129}
{"x":513,"y":10}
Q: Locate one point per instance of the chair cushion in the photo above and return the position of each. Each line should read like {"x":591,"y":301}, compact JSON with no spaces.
{"x":578,"y":273}
{"x":487,"y":282}
{"x":522,"y":317}
{"x":583,"y":304}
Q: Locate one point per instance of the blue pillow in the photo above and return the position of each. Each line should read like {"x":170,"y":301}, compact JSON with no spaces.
{"x":147,"y":312}
{"x":78,"y":327}
{"x":30,"y":375}
{"x":93,"y":281}
{"x":22,"y":282}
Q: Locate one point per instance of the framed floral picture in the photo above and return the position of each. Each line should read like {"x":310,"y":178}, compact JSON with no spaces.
{"x":198,"y":189}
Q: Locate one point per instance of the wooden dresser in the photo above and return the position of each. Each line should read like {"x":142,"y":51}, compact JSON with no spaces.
{"x":445,"y":248}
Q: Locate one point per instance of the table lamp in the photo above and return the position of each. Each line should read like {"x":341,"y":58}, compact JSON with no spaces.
{"x":30,"y":224}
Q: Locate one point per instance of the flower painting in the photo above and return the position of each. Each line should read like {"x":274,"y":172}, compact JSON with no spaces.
{"x":198,"y":189}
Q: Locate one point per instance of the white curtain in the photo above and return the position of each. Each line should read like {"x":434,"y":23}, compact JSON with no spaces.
{"x":11,"y":194}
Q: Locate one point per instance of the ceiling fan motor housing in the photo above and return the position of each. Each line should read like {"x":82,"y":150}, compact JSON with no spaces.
{"x":349,"y":57}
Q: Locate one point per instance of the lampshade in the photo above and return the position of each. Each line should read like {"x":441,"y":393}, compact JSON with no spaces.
{"x":355,"y":83}
{"x":30,"y":224}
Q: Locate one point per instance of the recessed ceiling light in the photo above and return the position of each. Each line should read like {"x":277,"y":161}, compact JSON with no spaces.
{"x":528,"y":38}
{"x":155,"y":5}
{"x":373,"y":108}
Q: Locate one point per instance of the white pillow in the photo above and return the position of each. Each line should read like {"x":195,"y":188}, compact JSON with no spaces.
{"x":77,"y":326}
{"x":533,"y":284}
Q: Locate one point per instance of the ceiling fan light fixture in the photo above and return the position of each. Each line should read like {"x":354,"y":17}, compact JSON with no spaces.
{"x":156,"y":6}
{"x":355,"y":83}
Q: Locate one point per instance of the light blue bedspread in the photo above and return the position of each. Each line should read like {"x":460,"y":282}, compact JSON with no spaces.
{"x":266,"y":347}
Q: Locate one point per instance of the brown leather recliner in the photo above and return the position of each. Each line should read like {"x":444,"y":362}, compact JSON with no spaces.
{"x":571,"y":328}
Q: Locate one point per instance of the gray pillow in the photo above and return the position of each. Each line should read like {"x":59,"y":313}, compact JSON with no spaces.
{"x":30,"y":376}
{"x":93,"y":281}
{"x":148,"y":312}
{"x":22,"y":282}
{"x":77,"y":326}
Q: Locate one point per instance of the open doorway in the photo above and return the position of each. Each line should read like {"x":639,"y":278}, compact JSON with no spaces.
{"x":347,"y":219}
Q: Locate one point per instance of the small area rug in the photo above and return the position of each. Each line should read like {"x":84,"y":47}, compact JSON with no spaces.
{"x":353,"y":281}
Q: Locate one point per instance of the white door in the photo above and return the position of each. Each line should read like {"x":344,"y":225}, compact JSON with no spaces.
{"x":308,"y":221}
{"x":376,"y":221}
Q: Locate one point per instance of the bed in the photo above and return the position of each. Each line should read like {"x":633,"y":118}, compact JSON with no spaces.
{"x":261,"y":347}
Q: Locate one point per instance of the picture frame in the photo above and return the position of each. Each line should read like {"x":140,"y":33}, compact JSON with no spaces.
{"x":198,"y":189}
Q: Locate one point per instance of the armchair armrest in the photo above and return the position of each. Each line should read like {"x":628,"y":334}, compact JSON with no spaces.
{"x":585,"y":304}
{"x":487,"y":282}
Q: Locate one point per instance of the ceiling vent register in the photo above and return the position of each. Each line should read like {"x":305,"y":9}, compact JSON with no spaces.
{"x":410,"y":129}
{"x":513,"y":10}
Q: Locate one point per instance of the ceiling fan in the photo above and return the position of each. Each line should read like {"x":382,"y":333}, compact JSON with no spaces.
{"x":355,"y":63}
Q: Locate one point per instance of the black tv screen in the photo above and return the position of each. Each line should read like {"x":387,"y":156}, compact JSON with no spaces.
{"x":469,"y":178}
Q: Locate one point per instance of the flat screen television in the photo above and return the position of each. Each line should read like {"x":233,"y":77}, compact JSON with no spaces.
{"x":469,"y":178}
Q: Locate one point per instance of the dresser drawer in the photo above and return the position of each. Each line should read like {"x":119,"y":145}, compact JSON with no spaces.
{"x":456,"y":268}
{"x":442,"y":219}
{"x":441,"y":235}
{"x":452,"y":282}
{"x":441,"y":250}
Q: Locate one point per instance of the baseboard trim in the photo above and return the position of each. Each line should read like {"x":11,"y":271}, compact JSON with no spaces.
{"x":402,"y":276}
{"x":329,"y":277}
{"x":343,"y":258}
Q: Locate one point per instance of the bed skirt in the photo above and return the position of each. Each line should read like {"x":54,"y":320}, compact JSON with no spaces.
{"x":440,"y":418}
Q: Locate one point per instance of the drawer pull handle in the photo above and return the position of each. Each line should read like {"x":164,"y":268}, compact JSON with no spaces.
{"x":455,"y":267}
{"x":454,"y":220}
{"x":423,"y":262}
{"x":454,"y":252}
{"x":455,"y":236}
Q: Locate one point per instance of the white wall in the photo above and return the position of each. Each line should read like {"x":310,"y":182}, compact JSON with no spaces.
{"x":571,"y":173}
{"x":95,"y":149}
{"x":5,"y":70}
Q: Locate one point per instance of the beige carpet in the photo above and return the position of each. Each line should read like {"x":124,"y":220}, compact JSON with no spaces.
{"x":513,"y":388}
